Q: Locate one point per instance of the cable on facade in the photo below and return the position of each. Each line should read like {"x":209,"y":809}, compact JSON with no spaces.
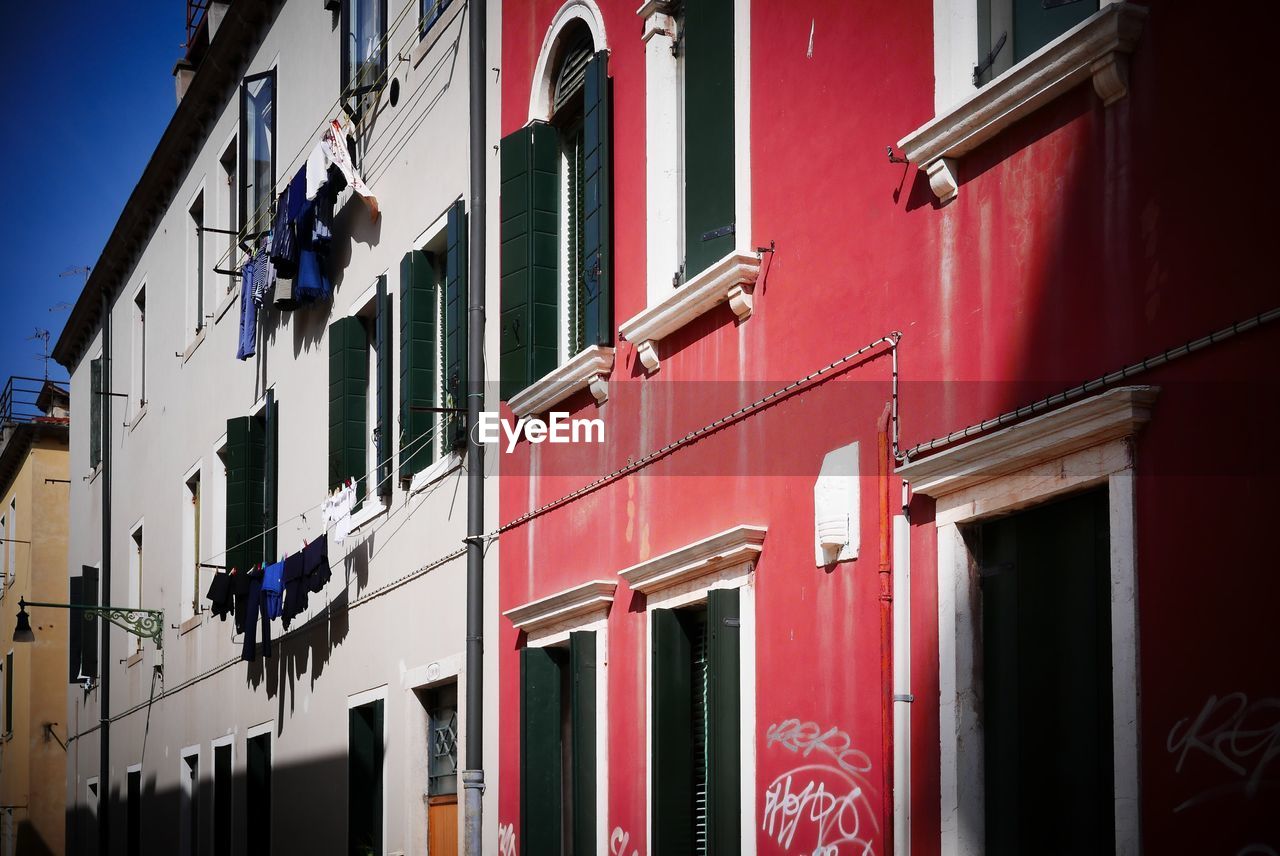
{"x":1089,"y":386}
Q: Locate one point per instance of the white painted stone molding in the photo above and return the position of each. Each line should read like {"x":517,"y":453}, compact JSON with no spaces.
{"x":1111,"y":415}
{"x":584,"y":599}
{"x":587,"y":370}
{"x":739,"y":546}
{"x":1096,"y":48}
{"x":730,"y":280}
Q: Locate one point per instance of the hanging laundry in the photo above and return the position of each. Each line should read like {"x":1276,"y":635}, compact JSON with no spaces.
{"x":284,"y":250}
{"x":240,"y":592}
{"x":337,"y":511}
{"x":247,"y":343}
{"x":295,"y":589}
{"x":315,"y":564}
{"x":332,"y":149}
{"x":273,"y":589}
{"x":264,"y":272}
{"x":256,"y":614}
{"x":220,"y":596}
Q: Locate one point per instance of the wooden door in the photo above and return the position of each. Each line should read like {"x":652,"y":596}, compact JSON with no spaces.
{"x":442,"y":825}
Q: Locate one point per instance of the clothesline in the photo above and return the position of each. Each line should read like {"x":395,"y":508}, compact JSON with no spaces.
{"x":410,"y":447}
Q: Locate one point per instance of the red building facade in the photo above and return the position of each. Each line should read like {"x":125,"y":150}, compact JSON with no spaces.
{"x":990,"y":578}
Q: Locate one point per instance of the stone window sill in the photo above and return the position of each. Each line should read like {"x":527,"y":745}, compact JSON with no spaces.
{"x":729,"y":280}
{"x":142,"y":411}
{"x":133,"y":660}
{"x":589,"y":369}
{"x":195,"y":343}
{"x":432,"y":474}
{"x":431,"y":37}
{"x":1097,"y":48}
{"x":190,"y":624}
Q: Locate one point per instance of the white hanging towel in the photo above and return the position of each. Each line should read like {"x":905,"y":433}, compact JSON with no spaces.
{"x":332,"y":149}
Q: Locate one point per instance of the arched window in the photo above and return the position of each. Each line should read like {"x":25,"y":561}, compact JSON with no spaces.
{"x":556,"y":221}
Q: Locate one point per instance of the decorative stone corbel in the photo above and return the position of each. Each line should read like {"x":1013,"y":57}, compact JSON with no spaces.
{"x":740,"y":302}
{"x":943,"y":179}
{"x":1111,"y":77}
{"x":648,"y":352}
{"x":599,"y":386}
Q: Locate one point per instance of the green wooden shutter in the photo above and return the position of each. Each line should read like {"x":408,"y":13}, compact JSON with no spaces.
{"x":723,"y":718}
{"x":270,"y":476}
{"x":364,"y":778}
{"x":455,"y":324}
{"x":89,"y":628}
{"x":1036,"y":23}
{"x":672,"y":735}
{"x":530,"y":256}
{"x":382,"y":431}
{"x":418,"y":301}
{"x":597,"y":209}
{"x":708,"y":133}
{"x":348,"y":402}
{"x":238,"y":475}
{"x":256,"y":549}
{"x":582,"y":664}
{"x":541,"y":784}
{"x":95,"y":412}
{"x":75,"y":628}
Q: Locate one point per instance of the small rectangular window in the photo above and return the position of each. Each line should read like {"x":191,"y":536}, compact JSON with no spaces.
{"x":8,"y":693}
{"x":429,"y":11}
{"x":231,"y":205}
{"x":133,"y":813}
{"x":189,"y":818}
{"x":364,"y":778}
{"x":195,"y":264}
{"x":257,"y":151}
{"x":258,"y":794}
{"x":364,"y":49}
{"x":1009,"y":31}
{"x":191,"y":526}
{"x":222,"y":800}
{"x":140,"y":347}
{"x":96,"y":389}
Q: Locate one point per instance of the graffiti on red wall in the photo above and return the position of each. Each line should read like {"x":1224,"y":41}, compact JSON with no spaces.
{"x":619,"y":841}
{"x":1239,"y":737}
{"x":826,"y":804}
{"x":507,"y":839}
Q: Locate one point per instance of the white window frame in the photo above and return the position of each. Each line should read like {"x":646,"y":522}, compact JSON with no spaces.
{"x":217,"y":501}
{"x":137,"y":570}
{"x":357,"y":700}
{"x":731,"y":279}
{"x":1085,"y":445}
{"x":683,"y":577}
{"x":190,"y":527}
{"x":194,"y":268}
{"x":11,"y":546}
{"x":547,"y":623}
{"x":138,"y":348}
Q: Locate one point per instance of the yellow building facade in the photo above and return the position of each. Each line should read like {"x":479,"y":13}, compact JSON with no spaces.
{"x":34,"y":422}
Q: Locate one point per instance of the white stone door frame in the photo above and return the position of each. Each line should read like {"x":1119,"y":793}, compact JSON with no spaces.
{"x":1084,"y":445}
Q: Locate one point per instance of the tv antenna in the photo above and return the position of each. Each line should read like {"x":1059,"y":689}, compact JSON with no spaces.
{"x":43,"y":336}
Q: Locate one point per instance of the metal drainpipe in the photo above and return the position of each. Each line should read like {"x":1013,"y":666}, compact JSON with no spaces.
{"x":884,"y":471}
{"x":104,"y":655}
{"x":473,"y":774}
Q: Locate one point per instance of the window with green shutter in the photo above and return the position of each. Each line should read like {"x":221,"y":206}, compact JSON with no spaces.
{"x":455,"y":325}
{"x":1009,"y":31}
{"x":696,"y":730}
{"x":706,"y":46}
{"x":382,"y":430}
{"x":556,"y":305}
{"x":348,"y":402}
{"x":419,"y":305}
{"x":251,"y":488}
{"x":558,"y":747}
{"x":95,"y":412}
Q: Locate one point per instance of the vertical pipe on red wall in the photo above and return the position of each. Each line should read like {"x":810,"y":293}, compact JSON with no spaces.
{"x":884,"y":469}
{"x":902,"y":697}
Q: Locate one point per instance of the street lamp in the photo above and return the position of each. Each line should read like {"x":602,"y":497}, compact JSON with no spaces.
{"x":146,"y":623}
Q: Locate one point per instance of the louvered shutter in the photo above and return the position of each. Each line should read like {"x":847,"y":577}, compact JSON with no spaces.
{"x":723,"y":718}
{"x":672,"y":735}
{"x":708,"y":133}
{"x":597,"y":218}
{"x":270,"y":426}
{"x":1036,"y":22}
{"x":75,"y":628}
{"x":418,"y":301}
{"x":530,"y":256}
{"x":382,"y":431}
{"x":256,"y":523}
{"x":540,"y":753}
{"x":455,"y":324}
{"x":582,"y":665}
{"x":89,"y":628}
{"x":238,"y":478}
{"x":348,"y":401}
{"x":95,"y":412}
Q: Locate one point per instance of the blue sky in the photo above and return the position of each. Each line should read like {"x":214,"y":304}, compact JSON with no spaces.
{"x":91,"y":90}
